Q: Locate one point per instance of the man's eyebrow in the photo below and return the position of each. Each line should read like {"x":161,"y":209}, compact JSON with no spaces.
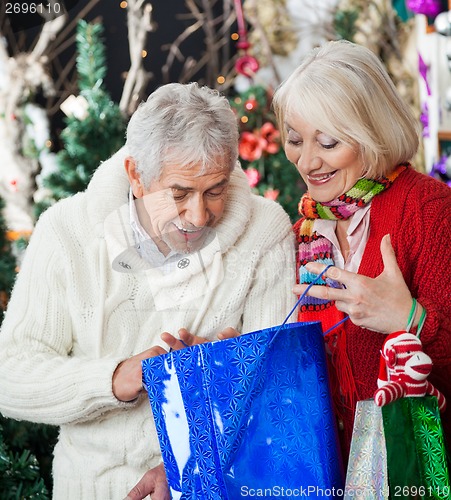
{"x":178,"y":187}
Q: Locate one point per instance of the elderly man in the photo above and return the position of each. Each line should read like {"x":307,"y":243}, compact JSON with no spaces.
{"x":166,"y":238}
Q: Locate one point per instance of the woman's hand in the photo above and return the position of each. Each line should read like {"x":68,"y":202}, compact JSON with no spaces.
{"x":381,"y":304}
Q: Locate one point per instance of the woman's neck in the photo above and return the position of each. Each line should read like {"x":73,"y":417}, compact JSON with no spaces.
{"x":342,"y":235}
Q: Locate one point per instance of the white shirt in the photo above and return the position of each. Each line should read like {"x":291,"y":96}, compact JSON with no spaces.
{"x":357,"y":234}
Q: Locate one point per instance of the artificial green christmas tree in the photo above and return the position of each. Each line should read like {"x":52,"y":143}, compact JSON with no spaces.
{"x":7,"y":264}
{"x":96,"y":131}
{"x":21,"y":475}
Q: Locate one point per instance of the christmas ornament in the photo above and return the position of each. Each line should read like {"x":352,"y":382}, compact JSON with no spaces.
{"x":442,"y":23}
{"x":404,"y":368}
{"x":430,"y":8}
{"x":246,"y":64}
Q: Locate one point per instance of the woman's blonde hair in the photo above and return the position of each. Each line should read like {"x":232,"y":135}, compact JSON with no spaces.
{"x":344,"y":90}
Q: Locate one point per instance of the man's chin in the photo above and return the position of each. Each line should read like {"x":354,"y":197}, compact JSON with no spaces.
{"x":190,"y":246}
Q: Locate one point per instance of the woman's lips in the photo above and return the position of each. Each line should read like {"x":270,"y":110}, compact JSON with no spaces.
{"x":318,"y":179}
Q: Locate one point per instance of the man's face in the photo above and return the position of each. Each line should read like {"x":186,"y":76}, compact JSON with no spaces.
{"x":179,"y":208}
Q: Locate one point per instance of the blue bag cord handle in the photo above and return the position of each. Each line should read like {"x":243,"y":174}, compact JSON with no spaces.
{"x":301,"y":298}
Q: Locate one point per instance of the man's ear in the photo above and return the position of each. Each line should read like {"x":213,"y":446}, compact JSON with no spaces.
{"x":133,"y":177}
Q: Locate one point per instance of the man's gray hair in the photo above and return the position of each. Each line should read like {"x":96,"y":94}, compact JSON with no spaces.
{"x":186,"y":125}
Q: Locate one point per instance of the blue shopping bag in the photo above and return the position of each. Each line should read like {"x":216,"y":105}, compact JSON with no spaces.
{"x":248,"y":416}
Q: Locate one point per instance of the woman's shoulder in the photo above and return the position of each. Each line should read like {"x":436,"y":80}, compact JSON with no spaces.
{"x":414,"y":180}
{"x":414,"y":189}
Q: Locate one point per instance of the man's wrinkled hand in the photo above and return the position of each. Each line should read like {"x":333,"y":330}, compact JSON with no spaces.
{"x":187,"y":339}
{"x":153,"y":483}
{"x":127,"y":378}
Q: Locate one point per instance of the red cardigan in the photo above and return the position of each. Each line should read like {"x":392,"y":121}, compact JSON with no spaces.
{"x":416,"y":212}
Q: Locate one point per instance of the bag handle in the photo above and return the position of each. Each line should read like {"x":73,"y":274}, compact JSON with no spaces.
{"x":301,"y":298}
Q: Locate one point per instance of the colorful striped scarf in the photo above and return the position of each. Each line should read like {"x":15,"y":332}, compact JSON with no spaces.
{"x":314,"y":247}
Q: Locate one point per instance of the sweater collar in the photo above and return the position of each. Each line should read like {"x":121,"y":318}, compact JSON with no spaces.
{"x":108,"y":211}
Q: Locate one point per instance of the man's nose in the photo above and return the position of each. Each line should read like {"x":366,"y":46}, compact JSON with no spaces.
{"x":196,"y":212}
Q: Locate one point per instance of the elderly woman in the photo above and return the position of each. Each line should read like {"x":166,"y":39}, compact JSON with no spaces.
{"x":384,"y":227}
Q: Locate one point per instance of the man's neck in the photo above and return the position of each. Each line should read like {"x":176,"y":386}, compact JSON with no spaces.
{"x":146,"y":224}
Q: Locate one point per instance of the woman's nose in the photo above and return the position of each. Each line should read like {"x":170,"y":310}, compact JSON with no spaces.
{"x":307,"y":159}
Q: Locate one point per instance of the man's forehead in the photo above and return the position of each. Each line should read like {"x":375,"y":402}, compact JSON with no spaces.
{"x":173,"y":176}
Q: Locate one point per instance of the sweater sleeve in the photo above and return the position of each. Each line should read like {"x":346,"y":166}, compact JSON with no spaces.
{"x":41,"y":379}
{"x":434,"y":290}
{"x":425,"y":250}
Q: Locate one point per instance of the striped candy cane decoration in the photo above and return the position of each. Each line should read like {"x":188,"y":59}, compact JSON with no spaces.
{"x":403,"y":371}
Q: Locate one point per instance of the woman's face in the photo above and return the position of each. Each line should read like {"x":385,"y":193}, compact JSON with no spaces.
{"x":328,"y":167}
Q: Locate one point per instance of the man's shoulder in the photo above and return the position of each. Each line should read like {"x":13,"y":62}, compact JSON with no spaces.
{"x":66,"y":218}
{"x":269,"y":218}
{"x":106,"y":192}
{"x":262,"y":206}
{"x":65,"y":208}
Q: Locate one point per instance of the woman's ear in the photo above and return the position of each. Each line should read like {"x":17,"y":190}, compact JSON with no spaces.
{"x":133,"y":177}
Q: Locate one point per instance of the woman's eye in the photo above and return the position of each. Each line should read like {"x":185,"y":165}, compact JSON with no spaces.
{"x":329,"y":145}
{"x":295,"y":141}
{"x":326,"y":141}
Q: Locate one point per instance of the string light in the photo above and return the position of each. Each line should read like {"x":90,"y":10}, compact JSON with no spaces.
{"x":220,"y":79}
{"x":123,"y":4}
{"x":234,"y":36}
{"x":143,"y":53}
{"x":244,"y":119}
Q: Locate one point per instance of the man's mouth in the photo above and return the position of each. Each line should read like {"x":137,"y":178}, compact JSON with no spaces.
{"x":190,"y":234}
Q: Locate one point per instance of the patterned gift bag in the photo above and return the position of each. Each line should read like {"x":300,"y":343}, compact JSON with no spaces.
{"x":249,"y":416}
{"x":416,"y":455}
{"x":398,"y":451}
{"x":367,"y":476}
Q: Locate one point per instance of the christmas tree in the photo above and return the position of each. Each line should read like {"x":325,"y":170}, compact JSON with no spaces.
{"x":20,"y":442}
{"x":269,"y":172}
{"x":20,"y":474}
{"x":96,"y":127}
{"x":7,"y":264}
{"x":89,"y":137}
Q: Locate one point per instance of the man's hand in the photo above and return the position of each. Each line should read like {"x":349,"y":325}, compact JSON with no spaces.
{"x":187,"y":339}
{"x":127,"y":378}
{"x":153,"y":483}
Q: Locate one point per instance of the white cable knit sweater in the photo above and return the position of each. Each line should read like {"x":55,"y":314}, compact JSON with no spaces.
{"x":84,"y":301}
